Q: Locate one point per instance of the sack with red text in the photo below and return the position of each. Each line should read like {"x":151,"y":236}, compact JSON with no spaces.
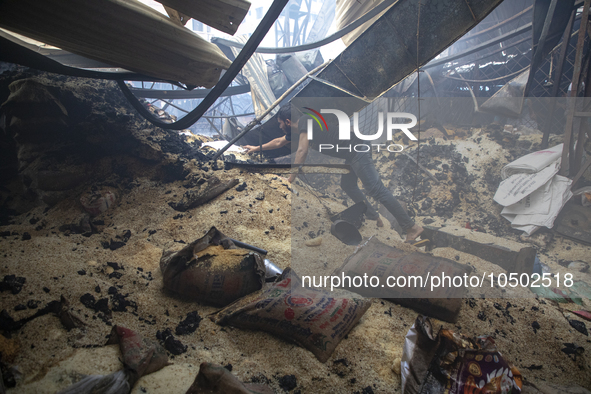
{"x":314,"y":319}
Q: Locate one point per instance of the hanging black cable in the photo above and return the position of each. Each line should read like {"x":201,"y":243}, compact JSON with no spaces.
{"x":313,"y":45}
{"x":245,"y":54}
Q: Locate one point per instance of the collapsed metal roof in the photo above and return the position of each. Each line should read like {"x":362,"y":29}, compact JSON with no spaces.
{"x":131,"y":35}
{"x":404,"y":36}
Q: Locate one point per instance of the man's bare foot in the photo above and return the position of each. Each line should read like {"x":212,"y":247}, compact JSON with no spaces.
{"x":413,"y":233}
{"x":379,"y":222}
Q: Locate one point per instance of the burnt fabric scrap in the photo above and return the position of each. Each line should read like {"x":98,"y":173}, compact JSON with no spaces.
{"x":141,"y":356}
{"x":454,"y":364}
{"x":214,"y":379}
{"x":314,"y":319}
{"x":213,"y":270}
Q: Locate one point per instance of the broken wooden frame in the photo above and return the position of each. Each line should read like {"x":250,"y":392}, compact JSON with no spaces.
{"x":223,"y":15}
{"x":192,"y":199}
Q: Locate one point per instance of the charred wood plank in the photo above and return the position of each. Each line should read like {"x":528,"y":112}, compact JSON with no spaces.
{"x":195,"y":198}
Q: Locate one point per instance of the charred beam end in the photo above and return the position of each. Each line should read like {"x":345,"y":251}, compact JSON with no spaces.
{"x":521,"y":261}
{"x":194,"y":199}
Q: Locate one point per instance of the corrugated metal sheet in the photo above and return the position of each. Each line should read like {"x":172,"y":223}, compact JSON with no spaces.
{"x":121,"y":33}
{"x":406,"y":36}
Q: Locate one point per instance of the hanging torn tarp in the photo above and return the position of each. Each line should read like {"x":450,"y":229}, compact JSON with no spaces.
{"x":508,"y":101}
{"x":348,"y":11}
{"x":255,"y":71}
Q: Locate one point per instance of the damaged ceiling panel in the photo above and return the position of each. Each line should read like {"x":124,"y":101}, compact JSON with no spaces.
{"x":224,"y":15}
{"x":122,"y":33}
{"x":395,"y":45}
{"x":348,"y":11}
{"x":51,"y":52}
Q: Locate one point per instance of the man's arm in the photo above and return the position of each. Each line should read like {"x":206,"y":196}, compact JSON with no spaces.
{"x":273,"y":144}
{"x":301,"y":154}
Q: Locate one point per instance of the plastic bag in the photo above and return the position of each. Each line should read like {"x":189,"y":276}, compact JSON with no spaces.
{"x":534,"y":162}
{"x":454,"y":364}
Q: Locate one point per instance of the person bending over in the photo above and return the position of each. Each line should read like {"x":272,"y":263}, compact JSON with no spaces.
{"x":362,"y":166}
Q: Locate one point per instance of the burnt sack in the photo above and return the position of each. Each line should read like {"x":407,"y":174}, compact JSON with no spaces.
{"x":212,"y":270}
{"x":375,"y":258}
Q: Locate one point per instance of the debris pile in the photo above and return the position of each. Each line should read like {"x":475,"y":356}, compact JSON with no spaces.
{"x":106,"y":262}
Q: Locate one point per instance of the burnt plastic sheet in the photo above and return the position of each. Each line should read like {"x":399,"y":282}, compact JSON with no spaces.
{"x":508,"y":101}
{"x":575,"y":222}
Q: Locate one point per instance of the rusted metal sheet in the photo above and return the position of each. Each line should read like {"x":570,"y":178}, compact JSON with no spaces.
{"x":390,"y":49}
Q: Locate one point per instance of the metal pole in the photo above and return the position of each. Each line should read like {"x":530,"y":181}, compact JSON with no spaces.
{"x":258,"y":119}
{"x":568,"y":130}
{"x":558,"y":78}
{"x":537,"y":56}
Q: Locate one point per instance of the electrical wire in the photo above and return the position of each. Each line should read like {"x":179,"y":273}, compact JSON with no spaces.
{"x":245,"y":54}
{"x":313,"y":45}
